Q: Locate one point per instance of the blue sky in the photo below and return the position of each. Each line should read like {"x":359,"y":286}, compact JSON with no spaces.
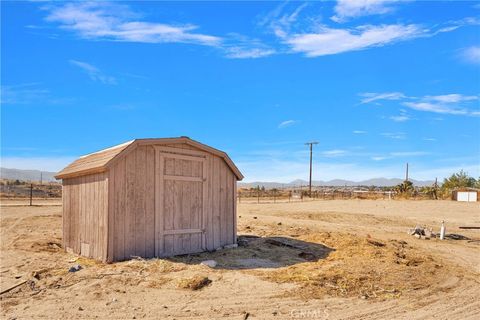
{"x":377,"y":83}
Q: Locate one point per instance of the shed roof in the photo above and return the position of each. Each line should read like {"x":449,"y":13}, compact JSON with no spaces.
{"x":466,"y":189}
{"x":99,"y":161}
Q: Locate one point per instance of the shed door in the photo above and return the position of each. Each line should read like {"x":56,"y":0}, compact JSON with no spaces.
{"x":180,"y":192}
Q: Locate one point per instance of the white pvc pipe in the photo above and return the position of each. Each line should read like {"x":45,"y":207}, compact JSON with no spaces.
{"x":442,"y":231}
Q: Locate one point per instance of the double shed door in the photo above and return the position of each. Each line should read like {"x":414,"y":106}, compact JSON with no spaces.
{"x":180,"y":187}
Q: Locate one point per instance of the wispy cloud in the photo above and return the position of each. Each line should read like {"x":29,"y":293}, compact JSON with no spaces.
{"x":117,"y":22}
{"x":379,"y":158}
{"x":395,"y":135}
{"x":294,"y":34}
{"x":328,"y":41}
{"x":93,"y":72}
{"x":402,"y":117}
{"x":238,"y":46}
{"x":409,"y":153}
{"x":471,"y":54}
{"x":369,"y":97}
{"x":334,"y":153}
{"x":238,"y":52}
{"x":287,"y":123}
{"x":279,"y":20}
{"x":451,"y":98}
{"x":23,"y":93}
{"x":455,"y":103}
{"x":400,"y":154}
{"x":434,"y":107}
{"x":313,"y":38}
{"x":446,"y":104}
{"x":359,"y":132}
{"x":29,"y":93}
{"x":346,"y":9}
{"x":308,"y":36}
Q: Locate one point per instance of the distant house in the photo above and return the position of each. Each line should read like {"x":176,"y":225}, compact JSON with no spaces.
{"x":466,"y":194}
{"x":149,"y":198}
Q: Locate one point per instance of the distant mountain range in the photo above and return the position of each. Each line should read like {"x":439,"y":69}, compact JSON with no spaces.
{"x":34,"y":175}
{"x":379,"y":182}
{"x":27,"y":175}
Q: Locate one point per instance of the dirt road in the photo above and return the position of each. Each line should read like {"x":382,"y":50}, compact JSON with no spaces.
{"x":313,"y":260}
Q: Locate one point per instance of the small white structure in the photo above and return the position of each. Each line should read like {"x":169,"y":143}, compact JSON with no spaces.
{"x":465,"y":195}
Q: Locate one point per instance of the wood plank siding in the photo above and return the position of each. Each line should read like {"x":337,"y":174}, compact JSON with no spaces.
{"x":149,"y":198}
{"x":85,"y":215}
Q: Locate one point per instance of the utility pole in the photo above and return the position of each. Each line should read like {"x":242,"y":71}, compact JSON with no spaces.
{"x":310,"y":180}
{"x":41,"y":177}
{"x":406,"y":173}
{"x":31,"y":193}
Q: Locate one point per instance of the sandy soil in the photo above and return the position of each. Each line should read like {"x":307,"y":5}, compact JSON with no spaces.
{"x":336,"y":259}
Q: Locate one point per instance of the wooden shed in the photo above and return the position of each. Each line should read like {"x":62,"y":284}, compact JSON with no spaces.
{"x":149,"y":198}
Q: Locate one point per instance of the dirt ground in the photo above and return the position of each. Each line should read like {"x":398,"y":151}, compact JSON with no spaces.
{"x":338,"y":259}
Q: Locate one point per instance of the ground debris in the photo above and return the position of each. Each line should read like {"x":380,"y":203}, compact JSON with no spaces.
{"x":420,"y":232}
{"x":376,"y":243}
{"x":75,"y":268}
{"x":455,"y":236}
{"x":209,"y":263}
{"x":194,"y":283}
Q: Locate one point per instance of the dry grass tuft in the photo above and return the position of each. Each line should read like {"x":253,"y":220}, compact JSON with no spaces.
{"x":361,"y":267}
{"x":194,"y":283}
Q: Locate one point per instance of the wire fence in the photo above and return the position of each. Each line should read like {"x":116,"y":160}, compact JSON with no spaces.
{"x":273,"y":196}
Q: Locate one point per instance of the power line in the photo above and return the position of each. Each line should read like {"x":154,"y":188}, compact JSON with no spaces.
{"x":310,"y":180}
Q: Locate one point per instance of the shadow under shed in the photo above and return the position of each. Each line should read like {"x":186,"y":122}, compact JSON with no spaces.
{"x":255,"y":252}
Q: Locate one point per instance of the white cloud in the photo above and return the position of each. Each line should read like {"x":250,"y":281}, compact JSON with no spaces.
{"x":372,"y":96}
{"x":327,"y":41}
{"x":451,"y":98}
{"x":471,"y":54}
{"x":359,"y":132}
{"x":409,"y":153}
{"x":241,"y":47}
{"x":395,"y":135}
{"x":93,"y":72}
{"x":400,"y":118}
{"x":287,"y":123}
{"x":279,"y":22}
{"x":23,"y":93}
{"x":243,"y":53}
{"x":400,"y":154}
{"x":117,"y":22}
{"x":453,"y":103}
{"x":29,"y":94}
{"x":435,"y":107}
{"x":108,"y":21}
{"x":379,"y":158}
{"x":429,"y":139}
{"x":346,"y":9}
{"x":334,"y":153}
